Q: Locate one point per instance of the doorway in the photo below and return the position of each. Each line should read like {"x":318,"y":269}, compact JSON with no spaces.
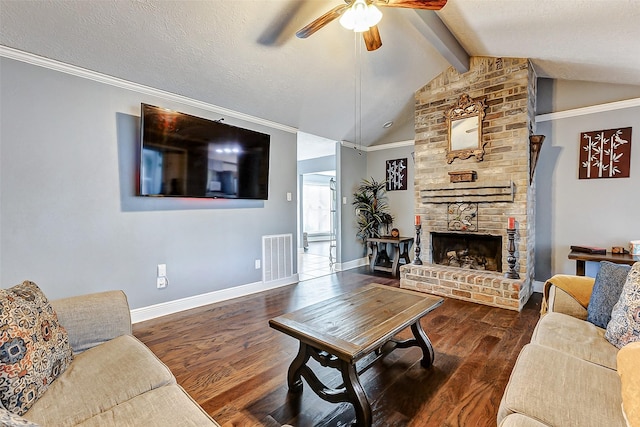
{"x":317,"y":207}
{"x":318,"y":220}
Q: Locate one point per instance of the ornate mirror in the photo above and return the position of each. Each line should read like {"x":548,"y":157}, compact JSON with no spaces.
{"x":464,"y":124}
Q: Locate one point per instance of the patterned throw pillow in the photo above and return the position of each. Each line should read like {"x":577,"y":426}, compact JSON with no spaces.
{"x":624,"y":326}
{"x":34,"y":348}
{"x":606,"y":292}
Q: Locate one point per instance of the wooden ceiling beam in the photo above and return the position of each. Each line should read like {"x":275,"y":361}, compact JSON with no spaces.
{"x":433,"y":29}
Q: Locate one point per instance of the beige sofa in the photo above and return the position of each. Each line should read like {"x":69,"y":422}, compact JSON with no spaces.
{"x":567,"y":375}
{"x":114,"y":379}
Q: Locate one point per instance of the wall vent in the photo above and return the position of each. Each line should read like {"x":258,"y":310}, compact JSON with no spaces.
{"x":277,"y":257}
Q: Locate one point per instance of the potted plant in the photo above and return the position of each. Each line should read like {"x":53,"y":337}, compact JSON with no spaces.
{"x":372,"y":210}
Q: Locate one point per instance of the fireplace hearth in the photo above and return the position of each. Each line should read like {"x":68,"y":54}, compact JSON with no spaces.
{"x":465,"y":250}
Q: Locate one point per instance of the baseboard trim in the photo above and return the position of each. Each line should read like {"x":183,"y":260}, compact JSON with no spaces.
{"x":538,"y":286}
{"x":170,"y":307}
{"x":359,"y":262}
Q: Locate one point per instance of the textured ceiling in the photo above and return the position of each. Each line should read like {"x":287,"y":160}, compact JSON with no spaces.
{"x":243,"y":55}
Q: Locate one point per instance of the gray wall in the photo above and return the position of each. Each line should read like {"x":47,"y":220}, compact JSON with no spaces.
{"x":69,"y":217}
{"x":560,"y":95}
{"x":401,"y":202}
{"x":352,"y":167}
{"x":570,"y":211}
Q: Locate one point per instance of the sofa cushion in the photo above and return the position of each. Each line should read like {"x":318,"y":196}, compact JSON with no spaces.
{"x":164,"y":406}
{"x":606,"y":292}
{"x":557,"y":389}
{"x":624,"y":326}
{"x":98,"y":380}
{"x":519,"y":420}
{"x":561,"y":302}
{"x":576,"y":337}
{"x":34,"y":348}
{"x":9,"y":419}
{"x":93,"y":319}
{"x":629,"y":371}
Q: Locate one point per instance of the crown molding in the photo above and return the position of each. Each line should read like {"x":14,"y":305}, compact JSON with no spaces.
{"x":30,"y":58}
{"x":600,"y":108}
{"x":388,"y":146}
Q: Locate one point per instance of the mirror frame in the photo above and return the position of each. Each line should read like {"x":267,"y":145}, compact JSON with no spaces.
{"x":464,"y":109}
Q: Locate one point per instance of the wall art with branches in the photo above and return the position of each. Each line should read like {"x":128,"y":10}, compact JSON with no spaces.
{"x":605,"y":154}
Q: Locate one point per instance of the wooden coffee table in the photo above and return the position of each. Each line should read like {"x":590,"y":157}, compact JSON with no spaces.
{"x":342,"y":330}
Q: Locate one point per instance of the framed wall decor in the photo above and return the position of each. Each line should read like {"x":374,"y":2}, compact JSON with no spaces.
{"x":605,"y":154}
{"x":464,"y":127}
{"x":396,"y":173}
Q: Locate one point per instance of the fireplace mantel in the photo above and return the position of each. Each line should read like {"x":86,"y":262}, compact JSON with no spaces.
{"x":502,"y":192}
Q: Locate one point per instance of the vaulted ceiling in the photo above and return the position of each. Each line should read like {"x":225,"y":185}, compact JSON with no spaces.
{"x":243,"y":54}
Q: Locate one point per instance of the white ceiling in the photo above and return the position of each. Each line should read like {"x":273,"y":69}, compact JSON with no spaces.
{"x":243,"y":55}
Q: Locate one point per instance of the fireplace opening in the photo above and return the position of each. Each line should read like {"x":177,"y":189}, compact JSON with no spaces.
{"x":471,"y":251}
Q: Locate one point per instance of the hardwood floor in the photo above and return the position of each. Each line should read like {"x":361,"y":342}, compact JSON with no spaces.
{"x":229,"y":360}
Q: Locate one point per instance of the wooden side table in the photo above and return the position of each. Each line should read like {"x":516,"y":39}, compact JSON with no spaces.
{"x":401,"y":246}
{"x":581,"y":258}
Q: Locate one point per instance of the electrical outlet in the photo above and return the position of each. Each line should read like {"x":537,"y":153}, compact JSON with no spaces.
{"x":257,"y":264}
{"x":161,"y":282}
{"x":162,"y":270}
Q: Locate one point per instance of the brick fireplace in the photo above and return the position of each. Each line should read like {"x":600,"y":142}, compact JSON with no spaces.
{"x":500,"y":187}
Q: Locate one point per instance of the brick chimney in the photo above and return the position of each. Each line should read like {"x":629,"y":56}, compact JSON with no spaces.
{"x":500,"y":188}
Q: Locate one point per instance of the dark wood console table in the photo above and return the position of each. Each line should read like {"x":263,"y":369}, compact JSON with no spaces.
{"x":401,"y":246}
{"x":581,"y":258}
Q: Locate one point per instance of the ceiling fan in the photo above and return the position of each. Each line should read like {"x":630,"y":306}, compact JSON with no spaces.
{"x":362,"y":16}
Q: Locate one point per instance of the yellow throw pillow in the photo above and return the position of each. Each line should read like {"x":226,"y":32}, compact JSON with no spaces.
{"x":629,"y":371}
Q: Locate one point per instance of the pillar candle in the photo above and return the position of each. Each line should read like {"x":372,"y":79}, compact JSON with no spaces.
{"x":417,"y":219}
{"x":512,"y":223}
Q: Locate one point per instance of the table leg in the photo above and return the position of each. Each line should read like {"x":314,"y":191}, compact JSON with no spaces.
{"x":425,"y":344}
{"x":356,"y":394}
{"x":295,"y":369}
{"x":374,"y":255}
{"x":580,"y":267}
{"x":396,"y":259}
{"x":405,"y":248}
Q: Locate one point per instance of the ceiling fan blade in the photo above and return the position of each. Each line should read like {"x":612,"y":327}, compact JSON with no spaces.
{"x":314,"y":26}
{"x":372,"y":38}
{"x":413,"y":4}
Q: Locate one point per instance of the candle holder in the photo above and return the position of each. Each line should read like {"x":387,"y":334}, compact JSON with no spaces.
{"x":511,"y":258}
{"x":417,"y":260}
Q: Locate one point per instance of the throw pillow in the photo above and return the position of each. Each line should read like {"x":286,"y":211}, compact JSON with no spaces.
{"x":10,"y":419}
{"x":34,"y":348}
{"x":629,"y":371}
{"x":606,"y":292}
{"x":624,"y":326}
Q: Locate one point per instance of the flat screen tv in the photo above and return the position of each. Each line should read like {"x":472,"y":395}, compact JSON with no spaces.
{"x":187,"y":156}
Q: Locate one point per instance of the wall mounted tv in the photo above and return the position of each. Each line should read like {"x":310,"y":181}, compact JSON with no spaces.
{"x":187,"y":156}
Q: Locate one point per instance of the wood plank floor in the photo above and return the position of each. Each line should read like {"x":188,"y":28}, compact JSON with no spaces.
{"x":230,"y":361}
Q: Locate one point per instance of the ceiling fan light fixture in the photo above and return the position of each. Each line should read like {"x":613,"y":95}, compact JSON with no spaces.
{"x":360,"y":16}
